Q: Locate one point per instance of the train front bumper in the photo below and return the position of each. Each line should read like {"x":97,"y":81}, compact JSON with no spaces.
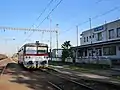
{"x":36,"y":64}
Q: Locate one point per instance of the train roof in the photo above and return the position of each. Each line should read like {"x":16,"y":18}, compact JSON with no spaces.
{"x":36,"y":44}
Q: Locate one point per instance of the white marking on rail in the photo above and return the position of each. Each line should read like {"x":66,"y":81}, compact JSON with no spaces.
{"x":55,"y":85}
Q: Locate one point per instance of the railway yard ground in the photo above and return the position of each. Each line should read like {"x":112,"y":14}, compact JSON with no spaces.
{"x":15,"y":77}
{"x":101,"y":70}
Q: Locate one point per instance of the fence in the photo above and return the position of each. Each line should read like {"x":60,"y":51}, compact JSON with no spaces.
{"x":92,"y":60}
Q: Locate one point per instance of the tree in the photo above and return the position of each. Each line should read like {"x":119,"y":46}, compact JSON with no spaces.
{"x":66,"y":45}
{"x":66,"y":50}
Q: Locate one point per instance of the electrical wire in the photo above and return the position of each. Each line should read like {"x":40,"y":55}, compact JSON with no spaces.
{"x":98,"y":1}
{"x":50,"y":13}
{"x":48,"y":5}
{"x":46,"y":16}
{"x":95,"y":17}
{"x":45,"y":9}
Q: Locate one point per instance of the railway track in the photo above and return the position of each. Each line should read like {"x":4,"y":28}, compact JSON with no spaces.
{"x":55,"y":86}
{"x":96,"y":85}
{"x":35,"y":80}
{"x":60,"y":82}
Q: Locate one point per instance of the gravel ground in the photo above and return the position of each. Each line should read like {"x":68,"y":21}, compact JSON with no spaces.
{"x":16,"y":78}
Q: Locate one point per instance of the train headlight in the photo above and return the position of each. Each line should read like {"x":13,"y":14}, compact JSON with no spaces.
{"x":27,"y":57}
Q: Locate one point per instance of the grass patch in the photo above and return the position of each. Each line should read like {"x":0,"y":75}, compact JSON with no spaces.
{"x":117,"y":78}
{"x":81,"y":67}
{"x":93,"y":66}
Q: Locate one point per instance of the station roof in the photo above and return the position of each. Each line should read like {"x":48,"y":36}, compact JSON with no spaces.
{"x":99,"y":44}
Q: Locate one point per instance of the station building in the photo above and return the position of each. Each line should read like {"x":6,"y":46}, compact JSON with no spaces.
{"x":102,"y":42}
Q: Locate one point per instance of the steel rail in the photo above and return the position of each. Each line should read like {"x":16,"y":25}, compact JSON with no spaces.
{"x":68,"y":79}
{"x":57,"y":87}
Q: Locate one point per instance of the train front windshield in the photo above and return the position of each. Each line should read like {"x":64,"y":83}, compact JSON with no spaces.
{"x":36,"y":50}
{"x":42,"y":50}
{"x":31,"y":50}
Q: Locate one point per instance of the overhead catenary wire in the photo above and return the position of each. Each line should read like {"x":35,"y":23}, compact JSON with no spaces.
{"x":98,"y":1}
{"x":45,"y":17}
{"x":45,"y":9}
{"x":50,"y":12}
{"x":93,"y":18}
{"x":48,"y":5}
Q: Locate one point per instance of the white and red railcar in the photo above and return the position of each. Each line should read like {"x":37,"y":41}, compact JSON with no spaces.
{"x":33,"y":55}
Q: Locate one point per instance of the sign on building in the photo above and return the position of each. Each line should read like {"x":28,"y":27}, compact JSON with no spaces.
{"x":99,"y":28}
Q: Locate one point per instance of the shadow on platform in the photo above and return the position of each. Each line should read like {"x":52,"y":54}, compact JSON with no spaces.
{"x":32,"y":80}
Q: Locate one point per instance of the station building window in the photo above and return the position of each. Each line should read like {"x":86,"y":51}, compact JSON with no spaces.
{"x":111,"y":34}
{"x":111,"y":50}
{"x":89,"y":36}
{"x":99,"y":36}
{"x":93,"y":35}
{"x":118,"y":32}
{"x":87,"y":39}
{"x":84,"y":39}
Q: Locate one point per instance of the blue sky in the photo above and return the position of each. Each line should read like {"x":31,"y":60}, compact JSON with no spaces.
{"x":23,"y":13}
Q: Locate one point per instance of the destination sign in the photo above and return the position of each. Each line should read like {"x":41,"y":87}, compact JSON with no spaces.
{"x":99,"y":28}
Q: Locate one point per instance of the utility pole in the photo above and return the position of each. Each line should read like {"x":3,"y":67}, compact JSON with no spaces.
{"x":57,"y":38}
{"x":77,"y":42}
{"x":90,"y":29}
{"x":77,"y":34}
{"x":50,"y":39}
{"x":106,"y":31}
{"x":91,"y":37}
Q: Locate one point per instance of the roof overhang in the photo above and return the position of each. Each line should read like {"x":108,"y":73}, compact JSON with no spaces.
{"x":99,"y":44}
